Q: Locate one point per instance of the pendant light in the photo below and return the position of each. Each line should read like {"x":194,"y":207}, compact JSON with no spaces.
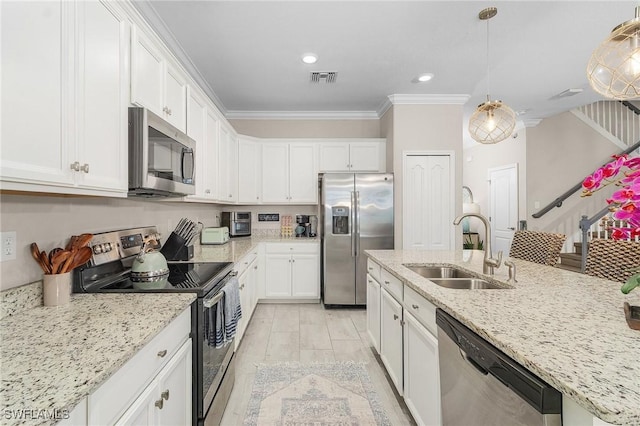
{"x":492,"y":121}
{"x":614,"y":67}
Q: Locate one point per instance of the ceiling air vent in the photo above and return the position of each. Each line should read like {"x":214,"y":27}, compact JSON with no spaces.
{"x":324,"y":76}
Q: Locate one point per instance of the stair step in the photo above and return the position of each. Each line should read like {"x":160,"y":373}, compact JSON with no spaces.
{"x":568,"y":268}
{"x":571,"y":259}
{"x":577,"y":247}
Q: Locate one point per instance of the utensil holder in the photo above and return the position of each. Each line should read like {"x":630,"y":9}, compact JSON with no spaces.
{"x":175,"y":248}
{"x":56,"y":289}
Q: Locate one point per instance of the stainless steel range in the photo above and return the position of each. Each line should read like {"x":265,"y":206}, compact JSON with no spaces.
{"x":109,"y":272}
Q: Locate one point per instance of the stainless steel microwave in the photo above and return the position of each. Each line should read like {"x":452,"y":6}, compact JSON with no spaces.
{"x":161,"y":157}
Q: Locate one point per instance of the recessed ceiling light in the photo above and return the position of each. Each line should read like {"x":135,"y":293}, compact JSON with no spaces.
{"x":423,"y":78}
{"x":309,"y":58}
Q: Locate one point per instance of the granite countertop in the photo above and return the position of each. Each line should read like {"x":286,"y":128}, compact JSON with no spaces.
{"x":566,"y":327}
{"x":237,"y":247}
{"x":52,"y":357}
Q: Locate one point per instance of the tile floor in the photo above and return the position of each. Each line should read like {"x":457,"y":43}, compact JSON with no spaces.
{"x":308,"y":333}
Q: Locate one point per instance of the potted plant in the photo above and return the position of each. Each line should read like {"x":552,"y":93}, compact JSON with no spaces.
{"x":625,"y":207}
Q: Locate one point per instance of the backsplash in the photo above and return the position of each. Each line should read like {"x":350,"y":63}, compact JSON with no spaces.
{"x":50,"y":220}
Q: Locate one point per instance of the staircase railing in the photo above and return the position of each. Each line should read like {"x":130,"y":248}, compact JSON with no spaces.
{"x":619,"y":119}
{"x":558,"y":201}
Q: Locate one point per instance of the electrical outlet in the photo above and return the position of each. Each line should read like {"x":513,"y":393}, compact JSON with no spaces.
{"x":8,"y":243}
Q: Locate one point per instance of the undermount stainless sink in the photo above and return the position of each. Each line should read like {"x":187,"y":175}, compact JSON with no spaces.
{"x":465,"y":283}
{"x":449,"y":277}
{"x":438,"y":272}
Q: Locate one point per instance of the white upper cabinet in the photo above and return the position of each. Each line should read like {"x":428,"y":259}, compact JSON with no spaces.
{"x":289,"y":172}
{"x":248,"y":170}
{"x":196,"y":130}
{"x":156,"y":83}
{"x":228,"y":164}
{"x":366,"y":155}
{"x":210,"y":155}
{"x":66,"y":65}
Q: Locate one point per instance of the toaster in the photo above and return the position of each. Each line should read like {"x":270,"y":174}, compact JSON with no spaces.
{"x":214,"y":235}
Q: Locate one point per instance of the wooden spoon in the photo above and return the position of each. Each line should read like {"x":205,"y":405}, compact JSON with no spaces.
{"x":80,"y":257}
{"x":58,"y":260}
{"x":35,"y":252}
{"x":53,"y":253}
{"x":83,"y":240}
{"x":71,"y":242}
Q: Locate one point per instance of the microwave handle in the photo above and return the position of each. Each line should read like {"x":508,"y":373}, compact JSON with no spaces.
{"x":187,"y":165}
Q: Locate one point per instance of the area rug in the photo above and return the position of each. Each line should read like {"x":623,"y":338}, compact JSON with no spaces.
{"x":318,"y":394}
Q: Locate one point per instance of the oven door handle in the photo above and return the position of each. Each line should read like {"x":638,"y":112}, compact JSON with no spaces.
{"x":215,"y":299}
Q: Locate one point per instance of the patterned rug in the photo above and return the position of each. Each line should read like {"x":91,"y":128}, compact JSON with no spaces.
{"x":319,"y":394}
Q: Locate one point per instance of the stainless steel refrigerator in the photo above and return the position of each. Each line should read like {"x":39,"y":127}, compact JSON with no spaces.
{"x":357,"y":215}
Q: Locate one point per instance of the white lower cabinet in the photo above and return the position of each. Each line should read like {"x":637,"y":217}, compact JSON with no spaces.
{"x":292,"y":271}
{"x":167,"y":400}
{"x":421,"y":372}
{"x":391,"y":337}
{"x":373,"y":311}
{"x":153,"y":387}
{"x":247,"y":269}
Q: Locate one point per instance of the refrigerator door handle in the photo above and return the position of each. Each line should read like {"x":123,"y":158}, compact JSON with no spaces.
{"x":353,"y":224}
{"x":357,"y":223}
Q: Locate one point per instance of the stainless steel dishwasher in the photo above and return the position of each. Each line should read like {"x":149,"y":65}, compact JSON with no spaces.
{"x":480,"y":385}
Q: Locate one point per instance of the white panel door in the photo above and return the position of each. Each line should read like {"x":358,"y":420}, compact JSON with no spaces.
{"x":174,"y":382}
{"x":427,"y":202}
{"x":147,"y":73}
{"x":303,"y":175}
{"x":503,"y":206}
{"x":33,"y":67}
{"x":275,"y":172}
{"x":391,"y":338}
{"x":421,"y":372}
{"x":102,"y":96}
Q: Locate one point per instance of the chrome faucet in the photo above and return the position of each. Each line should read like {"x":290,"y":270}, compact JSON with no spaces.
{"x":489,"y":262}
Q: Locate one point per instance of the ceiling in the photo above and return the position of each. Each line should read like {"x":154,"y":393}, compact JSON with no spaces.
{"x":249,"y":52}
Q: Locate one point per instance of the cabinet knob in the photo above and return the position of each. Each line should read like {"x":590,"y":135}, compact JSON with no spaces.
{"x":387,"y":282}
{"x":207,"y":191}
{"x":257,"y":198}
{"x":370,"y":268}
{"x":165,"y":109}
{"x":293,"y":260}
{"x":85,"y":168}
{"x":169,"y":111}
{"x":75,"y":166}
{"x":165,"y":395}
{"x":415,"y":306}
{"x":162,"y":353}
{"x":395,"y":317}
{"x":255,"y":267}
{"x":230,"y":195}
{"x":159,"y":403}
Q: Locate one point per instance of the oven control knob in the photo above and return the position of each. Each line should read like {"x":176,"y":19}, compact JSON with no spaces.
{"x":97,"y":249}
{"x":107,"y":247}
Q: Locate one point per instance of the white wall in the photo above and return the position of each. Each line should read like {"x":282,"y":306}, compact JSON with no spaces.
{"x":475,"y":164}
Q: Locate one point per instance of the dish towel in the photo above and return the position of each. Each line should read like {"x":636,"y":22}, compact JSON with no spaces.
{"x":214,"y":326}
{"x":232,"y":308}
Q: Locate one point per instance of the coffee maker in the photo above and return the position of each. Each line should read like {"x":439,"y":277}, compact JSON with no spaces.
{"x":307,"y":225}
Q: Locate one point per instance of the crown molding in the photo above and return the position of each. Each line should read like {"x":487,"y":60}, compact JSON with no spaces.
{"x":421,"y":99}
{"x":302,"y":115}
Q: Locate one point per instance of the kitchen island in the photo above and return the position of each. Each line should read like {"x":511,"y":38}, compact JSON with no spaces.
{"x":53,"y":357}
{"x":567,"y":328}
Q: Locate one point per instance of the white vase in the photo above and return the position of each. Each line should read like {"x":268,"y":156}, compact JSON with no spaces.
{"x":56,"y":289}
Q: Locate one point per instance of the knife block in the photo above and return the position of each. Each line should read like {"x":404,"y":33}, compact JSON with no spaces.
{"x":175,"y":248}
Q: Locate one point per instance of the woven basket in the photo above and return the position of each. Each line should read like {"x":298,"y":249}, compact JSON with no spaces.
{"x":538,"y":247}
{"x":612,"y":259}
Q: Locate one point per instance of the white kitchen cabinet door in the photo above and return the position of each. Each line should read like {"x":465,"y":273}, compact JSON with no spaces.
{"x":391,"y":338}
{"x":35,"y":66}
{"x":303,"y":173}
{"x":373,"y":311}
{"x":174,"y":382}
{"x":334,"y":157}
{"x":305,"y":275}
{"x":275,"y":172}
{"x":175,"y":86}
{"x":147,"y":73}
{"x":278,"y":276}
{"x":211,"y":156}
{"x":245,"y":301}
{"x":364,"y":157}
{"x":103,"y":81}
{"x":228,"y":165}
{"x":421,"y":372}
{"x":196,"y":121}
{"x":142,"y":411}
{"x":249,"y":162}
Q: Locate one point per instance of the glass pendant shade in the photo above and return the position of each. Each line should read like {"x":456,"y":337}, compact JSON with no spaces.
{"x":492,"y":122}
{"x":614,"y":67}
